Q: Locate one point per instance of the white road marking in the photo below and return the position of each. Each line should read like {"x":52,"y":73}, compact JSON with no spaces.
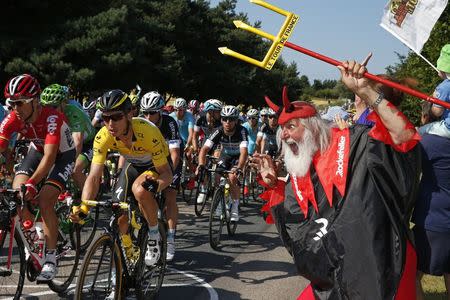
{"x":211,"y":291}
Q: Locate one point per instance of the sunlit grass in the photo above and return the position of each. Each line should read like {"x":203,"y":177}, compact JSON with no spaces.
{"x":434,"y":287}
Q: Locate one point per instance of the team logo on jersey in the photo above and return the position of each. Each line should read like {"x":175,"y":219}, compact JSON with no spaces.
{"x":51,"y":126}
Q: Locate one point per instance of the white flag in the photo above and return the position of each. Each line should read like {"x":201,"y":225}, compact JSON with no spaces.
{"x":411,"y":21}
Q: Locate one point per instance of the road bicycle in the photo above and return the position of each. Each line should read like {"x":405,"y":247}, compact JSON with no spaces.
{"x":112,"y":266}
{"x":21,"y":255}
{"x":220,"y":210}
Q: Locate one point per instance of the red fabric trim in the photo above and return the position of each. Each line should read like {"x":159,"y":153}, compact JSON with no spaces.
{"x":332,"y":165}
{"x":307,"y":294}
{"x":304,"y":192}
{"x":380,"y":132}
{"x":272,"y":196}
{"x":407,"y":287}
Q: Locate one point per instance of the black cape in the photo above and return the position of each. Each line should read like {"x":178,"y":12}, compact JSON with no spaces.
{"x":362,"y":253}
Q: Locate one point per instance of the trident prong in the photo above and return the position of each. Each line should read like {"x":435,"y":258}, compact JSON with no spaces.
{"x":278,"y":41}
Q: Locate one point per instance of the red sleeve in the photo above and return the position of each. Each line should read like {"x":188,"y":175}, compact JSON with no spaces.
{"x":272,"y":196}
{"x":9,"y":125}
{"x":380,"y":132}
{"x":53,"y":134}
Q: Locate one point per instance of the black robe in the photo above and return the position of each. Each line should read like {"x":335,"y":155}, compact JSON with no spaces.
{"x":362,"y":253}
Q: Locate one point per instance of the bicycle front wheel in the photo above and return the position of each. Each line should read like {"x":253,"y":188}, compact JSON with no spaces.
{"x":12,"y":276}
{"x":101,"y":272}
{"x":217,"y":218}
{"x":149,"y":279}
{"x":199,"y":207}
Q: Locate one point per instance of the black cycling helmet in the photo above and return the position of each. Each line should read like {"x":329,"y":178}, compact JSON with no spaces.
{"x":114,"y":100}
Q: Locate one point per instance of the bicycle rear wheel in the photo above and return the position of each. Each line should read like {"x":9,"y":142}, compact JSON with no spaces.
{"x":150,"y":279}
{"x":101,"y":271}
{"x":13,"y":278}
{"x":67,"y":251}
{"x":217,"y":218}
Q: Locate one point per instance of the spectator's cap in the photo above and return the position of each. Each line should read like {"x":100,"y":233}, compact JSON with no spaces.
{"x":333,"y":111}
{"x":443,"y":62}
{"x":296,"y":109}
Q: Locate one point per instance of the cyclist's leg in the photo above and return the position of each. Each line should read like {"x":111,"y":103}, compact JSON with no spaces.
{"x":146,"y":201}
{"x":170,"y":194}
{"x":23,"y":173}
{"x":149,"y":209}
{"x":235,"y":191}
{"x":122,"y":189}
{"x":47,"y":198}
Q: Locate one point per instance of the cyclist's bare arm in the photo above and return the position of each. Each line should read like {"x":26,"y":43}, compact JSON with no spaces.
{"x":165,"y":176}
{"x":191,"y":134}
{"x":202,"y":155}
{"x":93,"y":181}
{"x":262,"y":145}
{"x":47,"y":162}
{"x":258,"y":144}
{"x":242,"y":157}
{"x":195,"y":140}
{"x":78,"y":140}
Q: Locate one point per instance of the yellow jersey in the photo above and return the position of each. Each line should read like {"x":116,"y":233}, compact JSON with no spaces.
{"x":148,"y":145}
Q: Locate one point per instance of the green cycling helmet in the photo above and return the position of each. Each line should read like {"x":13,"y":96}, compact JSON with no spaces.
{"x":54,"y":95}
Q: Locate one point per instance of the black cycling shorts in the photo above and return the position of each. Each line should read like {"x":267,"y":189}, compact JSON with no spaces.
{"x":226,"y":161}
{"x":126,"y":179}
{"x":58,"y":175}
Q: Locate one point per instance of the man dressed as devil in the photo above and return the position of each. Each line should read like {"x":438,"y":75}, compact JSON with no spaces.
{"x":343,"y":212}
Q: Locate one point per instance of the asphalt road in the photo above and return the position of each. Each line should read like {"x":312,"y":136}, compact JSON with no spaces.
{"x":251,"y":265}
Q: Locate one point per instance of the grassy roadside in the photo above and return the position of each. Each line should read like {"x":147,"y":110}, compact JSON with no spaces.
{"x":434,"y":287}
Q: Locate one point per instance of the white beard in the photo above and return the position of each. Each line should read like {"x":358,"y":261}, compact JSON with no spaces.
{"x":299,"y":164}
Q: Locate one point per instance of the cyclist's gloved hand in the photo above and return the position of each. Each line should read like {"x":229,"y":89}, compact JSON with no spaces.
{"x":150,"y":184}
{"x":31,"y":190}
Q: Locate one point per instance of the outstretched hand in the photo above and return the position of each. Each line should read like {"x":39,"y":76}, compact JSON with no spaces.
{"x":263,"y":163}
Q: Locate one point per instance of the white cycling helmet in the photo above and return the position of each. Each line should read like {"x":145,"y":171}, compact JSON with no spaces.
{"x":152,"y":101}
{"x":88,"y":105}
{"x":252,"y":113}
{"x":229,"y":111}
{"x":263,"y":112}
{"x":213,"y":104}
{"x":270,"y":112}
{"x":180,"y":103}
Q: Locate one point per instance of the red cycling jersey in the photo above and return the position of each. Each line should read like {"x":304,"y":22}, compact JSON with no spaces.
{"x":50,"y":128}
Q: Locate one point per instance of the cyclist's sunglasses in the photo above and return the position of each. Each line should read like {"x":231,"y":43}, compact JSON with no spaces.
{"x":272,"y":117}
{"x":151,"y":113}
{"x":253,"y":118}
{"x":114,"y":117}
{"x":228,"y":119}
{"x":18,"y":102}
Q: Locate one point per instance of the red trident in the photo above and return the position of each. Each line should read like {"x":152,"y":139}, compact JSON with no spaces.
{"x":280,"y":40}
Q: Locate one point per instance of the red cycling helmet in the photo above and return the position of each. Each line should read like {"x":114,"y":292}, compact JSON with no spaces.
{"x":23,"y":85}
{"x":194,"y":105}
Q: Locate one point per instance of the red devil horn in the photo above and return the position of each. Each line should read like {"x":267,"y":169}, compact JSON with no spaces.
{"x":271,"y":104}
{"x":286,"y":102}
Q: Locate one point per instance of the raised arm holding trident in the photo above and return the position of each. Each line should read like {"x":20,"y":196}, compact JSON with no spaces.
{"x":281,"y":40}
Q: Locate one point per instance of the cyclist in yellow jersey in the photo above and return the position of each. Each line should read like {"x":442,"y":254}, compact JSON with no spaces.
{"x":144,"y":148}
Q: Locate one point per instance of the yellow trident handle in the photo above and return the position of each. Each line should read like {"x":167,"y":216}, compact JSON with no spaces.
{"x":278,"y":41}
